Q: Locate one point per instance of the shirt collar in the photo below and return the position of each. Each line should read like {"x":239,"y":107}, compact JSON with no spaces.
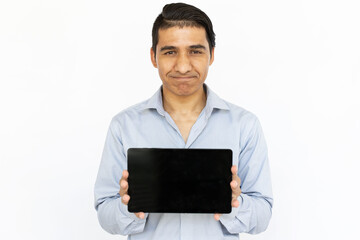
{"x":212,"y":101}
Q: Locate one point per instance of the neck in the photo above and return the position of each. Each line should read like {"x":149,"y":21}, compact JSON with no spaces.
{"x":184,"y":104}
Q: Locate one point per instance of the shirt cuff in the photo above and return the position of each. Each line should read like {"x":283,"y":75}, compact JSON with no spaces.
{"x":229,"y":218}
{"x":124,"y":210}
{"x":239,"y":219}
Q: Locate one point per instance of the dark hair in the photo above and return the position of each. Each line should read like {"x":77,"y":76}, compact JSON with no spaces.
{"x":182,"y":15}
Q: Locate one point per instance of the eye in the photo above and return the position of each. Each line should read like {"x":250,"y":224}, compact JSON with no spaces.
{"x":195,"y":52}
{"x":169,"y":53}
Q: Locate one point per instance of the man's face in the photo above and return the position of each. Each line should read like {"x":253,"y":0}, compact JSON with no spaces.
{"x":183,"y":59}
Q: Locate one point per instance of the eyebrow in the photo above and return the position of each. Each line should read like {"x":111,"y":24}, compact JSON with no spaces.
{"x":197,"y":46}
{"x":167,"y":48}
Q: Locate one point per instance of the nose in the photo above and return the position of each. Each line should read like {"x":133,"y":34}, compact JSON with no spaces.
{"x":183,"y":64}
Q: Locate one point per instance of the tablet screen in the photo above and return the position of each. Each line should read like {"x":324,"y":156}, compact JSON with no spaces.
{"x":179,"y":180}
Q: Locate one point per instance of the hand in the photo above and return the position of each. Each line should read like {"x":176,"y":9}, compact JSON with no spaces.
{"x":125,"y":198}
{"x":236,"y":191}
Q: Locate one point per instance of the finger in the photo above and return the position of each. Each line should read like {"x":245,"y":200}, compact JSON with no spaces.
{"x":217,"y":216}
{"x":140,"y":215}
{"x":123,"y":183}
{"x":125,"y":199}
{"x":234,"y":185}
{"x":124,"y":186}
{"x":235,"y":189}
{"x":125,"y":174}
{"x":236,"y":178}
{"x":234,"y":170}
{"x":235,"y":203}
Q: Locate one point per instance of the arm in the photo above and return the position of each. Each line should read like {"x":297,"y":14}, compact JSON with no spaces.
{"x":113,"y":214}
{"x":255,"y":201}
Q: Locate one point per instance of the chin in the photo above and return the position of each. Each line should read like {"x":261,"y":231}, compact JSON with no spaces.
{"x":185,"y":90}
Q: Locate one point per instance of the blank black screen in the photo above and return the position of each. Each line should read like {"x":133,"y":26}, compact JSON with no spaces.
{"x":179,"y":180}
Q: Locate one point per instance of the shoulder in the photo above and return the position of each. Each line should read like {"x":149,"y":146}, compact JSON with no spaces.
{"x":235,"y":112}
{"x":248,"y":124}
{"x":242,"y":115}
{"x":130,"y":113}
{"x":245,"y":121}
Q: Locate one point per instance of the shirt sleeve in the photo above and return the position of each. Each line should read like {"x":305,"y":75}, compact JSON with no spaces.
{"x":113,"y":215}
{"x":255,"y":209}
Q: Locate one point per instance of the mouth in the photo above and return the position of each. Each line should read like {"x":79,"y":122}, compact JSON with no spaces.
{"x":183,"y":77}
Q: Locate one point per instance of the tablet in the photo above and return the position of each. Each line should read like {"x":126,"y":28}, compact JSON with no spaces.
{"x":177,"y":180}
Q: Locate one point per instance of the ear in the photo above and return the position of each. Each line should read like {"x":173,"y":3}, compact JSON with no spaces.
{"x":212,"y":55}
{"x":153,"y":58}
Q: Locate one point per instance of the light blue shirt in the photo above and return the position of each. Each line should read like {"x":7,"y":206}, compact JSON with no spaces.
{"x":219,"y":125}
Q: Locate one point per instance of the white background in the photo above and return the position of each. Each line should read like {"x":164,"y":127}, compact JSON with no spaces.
{"x":67,"y":67}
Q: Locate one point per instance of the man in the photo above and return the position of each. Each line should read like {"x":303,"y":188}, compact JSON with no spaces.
{"x":185,"y":113}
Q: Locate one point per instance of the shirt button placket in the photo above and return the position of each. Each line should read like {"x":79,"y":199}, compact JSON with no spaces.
{"x":173,"y":125}
{"x":182,"y":233}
